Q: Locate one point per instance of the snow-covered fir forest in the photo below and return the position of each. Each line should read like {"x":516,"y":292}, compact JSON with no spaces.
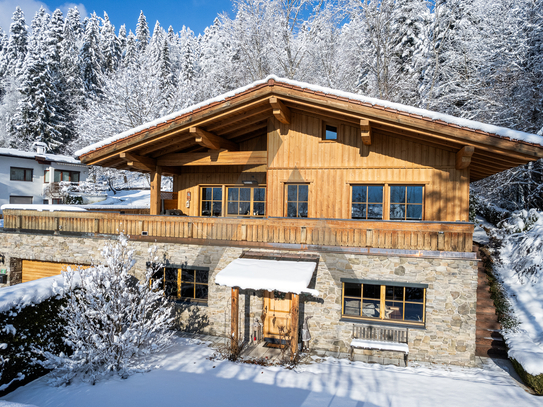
{"x":71,"y":80}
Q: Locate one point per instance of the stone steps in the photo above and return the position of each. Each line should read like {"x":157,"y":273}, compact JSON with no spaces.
{"x":488,"y":340}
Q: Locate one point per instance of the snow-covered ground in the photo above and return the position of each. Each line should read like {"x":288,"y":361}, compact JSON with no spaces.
{"x":186,"y":376}
{"x":135,"y":199}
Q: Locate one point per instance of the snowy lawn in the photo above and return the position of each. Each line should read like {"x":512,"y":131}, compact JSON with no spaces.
{"x":128,"y":199}
{"x":187,"y":377}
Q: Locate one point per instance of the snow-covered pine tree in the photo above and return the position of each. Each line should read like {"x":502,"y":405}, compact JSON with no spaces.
{"x":37,"y":117}
{"x":17,"y":45}
{"x":91,"y":58}
{"x":111,"y":46}
{"x":122,"y":39}
{"x":73,"y":22}
{"x":410,"y":20}
{"x":112,"y":320}
{"x":131,"y":54}
{"x":142,"y":33}
{"x":38,"y":26}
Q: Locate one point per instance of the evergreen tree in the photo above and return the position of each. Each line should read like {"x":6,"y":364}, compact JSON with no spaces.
{"x":142,"y":33}
{"x":131,"y":53}
{"x":73,"y":23}
{"x":37,"y":118}
{"x":111,"y":46}
{"x":17,"y":45}
{"x":91,"y":58}
{"x":122,"y":39}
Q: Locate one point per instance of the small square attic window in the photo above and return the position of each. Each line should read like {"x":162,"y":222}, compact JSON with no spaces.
{"x":330,"y":132}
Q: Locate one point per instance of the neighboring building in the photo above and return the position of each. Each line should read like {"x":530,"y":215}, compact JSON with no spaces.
{"x":25,"y":177}
{"x":301,"y":201}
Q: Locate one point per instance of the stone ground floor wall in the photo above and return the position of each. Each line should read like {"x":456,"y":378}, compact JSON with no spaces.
{"x":448,"y":336}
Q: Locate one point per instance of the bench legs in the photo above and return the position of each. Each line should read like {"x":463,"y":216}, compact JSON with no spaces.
{"x":405,"y":357}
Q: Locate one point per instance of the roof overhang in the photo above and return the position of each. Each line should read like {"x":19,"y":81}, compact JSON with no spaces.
{"x":260,"y":274}
{"x":220,"y":124}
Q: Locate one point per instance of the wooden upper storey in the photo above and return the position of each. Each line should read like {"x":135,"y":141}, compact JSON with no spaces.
{"x":273,"y":133}
{"x":196,"y":136}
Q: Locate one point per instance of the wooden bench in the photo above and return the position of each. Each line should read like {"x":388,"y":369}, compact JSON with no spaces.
{"x":378,"y":337}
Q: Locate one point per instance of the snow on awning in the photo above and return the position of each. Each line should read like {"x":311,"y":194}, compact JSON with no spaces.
{"x":258,"y":274}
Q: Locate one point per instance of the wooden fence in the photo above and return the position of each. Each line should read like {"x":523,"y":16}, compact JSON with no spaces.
{"x":425,"y":235}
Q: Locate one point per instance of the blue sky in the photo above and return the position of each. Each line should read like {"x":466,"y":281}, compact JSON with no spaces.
{"x":195,"y":14}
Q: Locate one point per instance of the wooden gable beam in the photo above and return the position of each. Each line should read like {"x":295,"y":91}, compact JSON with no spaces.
{"x":212,"y":141}
{"x":280,"y":111}
{"x":138,"y":161}
{"x":365,"y":131}
{"x":215,"y":158}
{"x":463,"y":157}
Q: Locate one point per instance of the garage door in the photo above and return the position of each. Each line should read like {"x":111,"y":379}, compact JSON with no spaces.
{"x":32,"y":270}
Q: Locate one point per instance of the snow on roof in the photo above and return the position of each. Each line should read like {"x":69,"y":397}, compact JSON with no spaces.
{"x":372,"y":102}
{"x":257,"y":274}
{"x":43,"y":208}
{"x":32,"y":155}
{"x":123,"y":200}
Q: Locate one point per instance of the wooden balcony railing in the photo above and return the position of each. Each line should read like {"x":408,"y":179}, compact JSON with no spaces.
{"x":429,"y":236}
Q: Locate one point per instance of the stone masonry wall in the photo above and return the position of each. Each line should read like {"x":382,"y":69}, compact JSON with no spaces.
{"x":449,"y":335}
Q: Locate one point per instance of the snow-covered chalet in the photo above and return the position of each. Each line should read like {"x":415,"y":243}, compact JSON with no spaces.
{"x":301,"y":212}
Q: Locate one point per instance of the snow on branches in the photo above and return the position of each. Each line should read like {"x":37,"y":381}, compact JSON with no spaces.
{"x":112,"y":320}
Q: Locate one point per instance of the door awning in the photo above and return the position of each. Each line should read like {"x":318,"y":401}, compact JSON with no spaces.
{"x":258,"y":274}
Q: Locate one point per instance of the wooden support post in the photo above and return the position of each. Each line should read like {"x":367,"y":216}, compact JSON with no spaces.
{"x":463,"y":157}
{"x":295,"y":322}
{"x":243,"y":232}
{"x":303,"y":235}
{"x":234,"y":323}
{"x":365,"y":131}
{"x":96,"y":225}
{"x":156,"y":178}
{"x":440,"y":241}
{"x":19,"y":223}
{"x":56,"y":225}
{"x":369,"y":238}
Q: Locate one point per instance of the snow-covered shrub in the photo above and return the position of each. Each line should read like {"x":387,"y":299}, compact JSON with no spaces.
{"x":23,"y":328}
{"x":112,"y":319}
{"x":522,"y":250}
{"x":520,"y":221}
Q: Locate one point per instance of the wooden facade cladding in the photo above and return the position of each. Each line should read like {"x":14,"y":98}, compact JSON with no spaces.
{"x":395,"y":235}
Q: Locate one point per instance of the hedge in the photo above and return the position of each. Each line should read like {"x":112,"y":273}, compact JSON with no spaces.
{"x":23,"y":330}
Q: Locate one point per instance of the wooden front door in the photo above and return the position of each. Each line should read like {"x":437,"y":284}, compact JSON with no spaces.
{"x":277,"y":310}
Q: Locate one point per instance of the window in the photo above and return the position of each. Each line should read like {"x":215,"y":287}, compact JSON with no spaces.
{"x":211,"y":201}
{"x":46,"y":177}
{"x":297,"y":197}
{"x":367,"y":202}
{"x":20,"y":174}
{"x":66,"y":176}
{"x":20,"y":200}
{"x":406,"y":202}
{"x":57,"y":201}
{"x":386,"y":302}
{"x":246,"y":201}
{"x":330,"y":132}
{"x":184,"y":283}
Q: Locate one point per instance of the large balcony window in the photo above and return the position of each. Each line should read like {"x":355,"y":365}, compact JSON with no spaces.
{"x":246,"y":201}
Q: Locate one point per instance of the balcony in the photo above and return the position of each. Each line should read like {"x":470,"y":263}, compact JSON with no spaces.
{"x":417,"y":238}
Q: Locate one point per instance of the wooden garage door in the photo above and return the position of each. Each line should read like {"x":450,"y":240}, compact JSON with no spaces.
{"x":32,"y":270}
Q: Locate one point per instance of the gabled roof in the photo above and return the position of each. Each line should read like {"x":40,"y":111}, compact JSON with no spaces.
{"x":242,"y":114}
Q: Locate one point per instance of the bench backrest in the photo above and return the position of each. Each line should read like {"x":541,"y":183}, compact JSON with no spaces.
{"x":380,"y":333}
